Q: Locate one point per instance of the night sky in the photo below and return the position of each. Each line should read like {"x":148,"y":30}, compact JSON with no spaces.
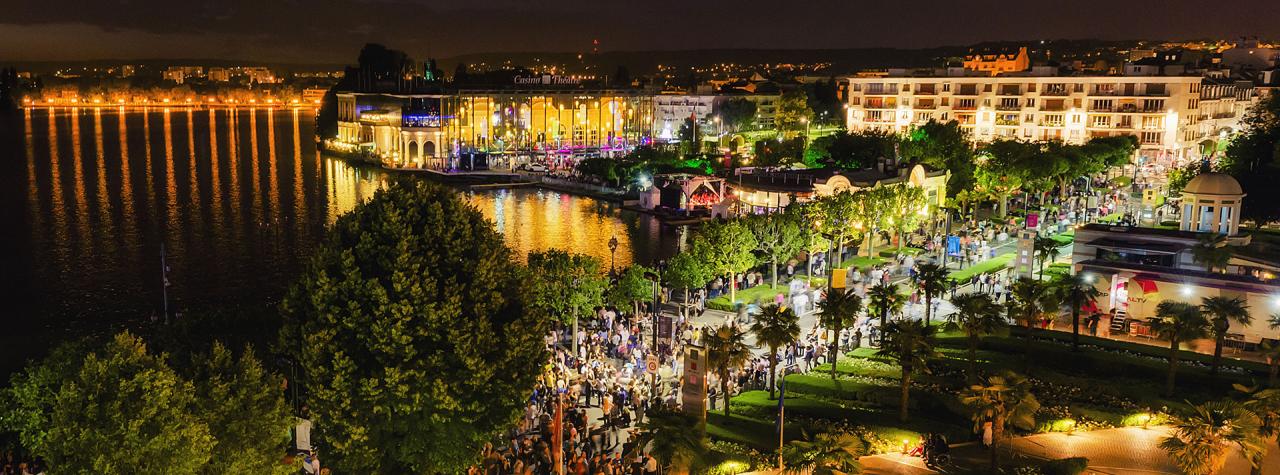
{"x":332,"y":31}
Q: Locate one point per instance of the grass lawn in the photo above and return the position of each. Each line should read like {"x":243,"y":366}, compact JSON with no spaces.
{"x":755,"y":294}
{"x":862,"y":262}
{"x":990,"y":265}
{"x":1110,"y":218}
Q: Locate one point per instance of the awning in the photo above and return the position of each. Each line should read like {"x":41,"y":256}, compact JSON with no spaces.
{"x":1139,"y":287}
{"x":1089,"y":306}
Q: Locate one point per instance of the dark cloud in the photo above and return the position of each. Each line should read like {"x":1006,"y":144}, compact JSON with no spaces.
{"x":330,"y":30}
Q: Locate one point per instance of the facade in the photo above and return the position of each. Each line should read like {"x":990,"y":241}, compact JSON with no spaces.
{"x":435,"y":130}
{"x":1137,"y":268}
{"x":999,"y":63}
{"x":671,"y":110}
{"x":1163,"y":112}
{"x":178,"y":74}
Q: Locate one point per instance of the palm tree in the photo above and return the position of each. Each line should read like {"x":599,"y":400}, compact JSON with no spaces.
{"x":1211,"y":252}
{"x":1032,"y":300}
{"x":1264,"y":403}
{"x":1177,"y":322}
{"x":1272,"y":352}
{"x":1076,"y":291}
{"x":976,"y":315}
{"x":1222,"y":312}
{"x":839,"y":309}
{"x":1046,"y":249}
{"x":931,"y":281}
{"x":726,"y":350}
{"x":1002,"y":401}
{"x":885,"y":299}
{"x":673,"y":438}
{"x":1201,"y":442}
{"x":775,"y":327}
{"x":829,"y":453}
{"x":910,"y":342}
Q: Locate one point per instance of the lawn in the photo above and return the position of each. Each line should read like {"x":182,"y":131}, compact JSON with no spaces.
{"x":862,"y":262}
{"x":763,"y":292}
{"x":994,"y":264}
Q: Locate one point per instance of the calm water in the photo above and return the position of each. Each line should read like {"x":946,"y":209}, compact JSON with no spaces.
{"x":238,"y":199}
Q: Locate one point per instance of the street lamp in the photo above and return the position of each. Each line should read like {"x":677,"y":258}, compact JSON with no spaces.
{"x":613,"y":248}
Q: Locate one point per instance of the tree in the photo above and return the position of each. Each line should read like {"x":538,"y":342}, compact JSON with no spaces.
{"x":1177,"y":322}
{"x":904,"y":210}
{"x":1047,"y":249}
{"x":1272,"y":352}
{"x":688,"y":270}
{"x":931,"y":280}
{"x":775,"y":327}
{"x":246,"y":413}
{"x":1265,"y":404}
{"x":631,"y":287}
{"x":737,"y":114}
{"x":838,"y":310}
{"x":413,"y":325}
{"x":1002,"y":170}
{"x":976,"y":315}
{"x":727,"y":350}
{"x":793,"y":111}
{"x":1222,"y":312}
{"x":563,"y":286}
{"x":113,"y":410}
{"x":828,"y":453}
{"x":690,"y":134}
{"x":942,"y":146}
{"x":1211,"y":252}
{"x":834,"y":218}
{"x":871,"y":210}
{"x":884,"y":299}
{"x":811,"y":239}
{"x":910,"y":343}
{"x":1202,"y":441}
{"x":673,"y":438}
{"x":1253,"y":159}
{"x":777,"y":237}
{"x":853,"y":150}
{"x":1078,"y":292}
{"x":1032,"y":301}
{"x":1002,"y":402}
{"x":728,"y":250}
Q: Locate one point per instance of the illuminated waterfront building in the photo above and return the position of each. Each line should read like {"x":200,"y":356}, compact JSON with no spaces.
{"x":434,"y":130}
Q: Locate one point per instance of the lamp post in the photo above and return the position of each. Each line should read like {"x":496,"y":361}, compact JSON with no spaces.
{"x":613,"y":248}
{"x":655,"y":278}
{"x":576,"y":282}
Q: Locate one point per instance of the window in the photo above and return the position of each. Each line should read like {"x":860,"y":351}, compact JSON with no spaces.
{"x":1008,"y":103}
{"x":1053,"y":120}
{"x":1029,"y":118}
{"x":1101,"y":121}
{"x":1153,"y":105}
{"x":1031,"y":102}
{"x":967,"y":104}
{"x":944,"y":117}
{"x":946,"y":87}
{"x":1155,"y":89}
{"x":1193,"y":103}
{"x":1101,"y":104}
{"x":1152,"y":137}
{"x":1156,"y":122}
{"x":1075,"y":118}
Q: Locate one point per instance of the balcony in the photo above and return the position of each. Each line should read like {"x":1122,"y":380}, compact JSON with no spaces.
{"x":1007,"y":122}
{"x":964,"y":107}
{"x":1006,"y":107}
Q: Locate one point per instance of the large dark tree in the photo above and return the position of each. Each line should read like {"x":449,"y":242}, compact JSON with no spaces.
{"x":412,"y":327}
{"x":737,"y":114}
{"x":852,"y":151}
{"x":943,"y":146}
{"x":1253,"y":158}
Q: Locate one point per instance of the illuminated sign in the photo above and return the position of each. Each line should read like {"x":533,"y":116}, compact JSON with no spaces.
{"x":546,"y":80}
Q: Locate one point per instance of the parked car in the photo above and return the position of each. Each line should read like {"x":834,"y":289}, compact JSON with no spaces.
{"x":536,"y":167}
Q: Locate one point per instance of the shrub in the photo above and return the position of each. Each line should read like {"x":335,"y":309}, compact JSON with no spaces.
{"x":1067,"y":466}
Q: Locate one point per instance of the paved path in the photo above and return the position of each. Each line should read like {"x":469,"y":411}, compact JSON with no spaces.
{"x":1125,"y":451}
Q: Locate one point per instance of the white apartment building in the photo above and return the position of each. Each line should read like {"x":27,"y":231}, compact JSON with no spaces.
{"x":1165,"y":113}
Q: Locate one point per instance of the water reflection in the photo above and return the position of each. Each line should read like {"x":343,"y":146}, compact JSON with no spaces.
{"x":239,"y":198}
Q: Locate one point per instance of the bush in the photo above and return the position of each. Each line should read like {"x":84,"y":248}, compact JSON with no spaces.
{"x":1067,"y":466}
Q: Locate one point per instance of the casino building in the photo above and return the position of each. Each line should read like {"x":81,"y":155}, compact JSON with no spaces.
{"x":552,"y":117}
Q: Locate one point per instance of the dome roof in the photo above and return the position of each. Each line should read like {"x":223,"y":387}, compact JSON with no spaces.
{"x":1213,"y":184}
